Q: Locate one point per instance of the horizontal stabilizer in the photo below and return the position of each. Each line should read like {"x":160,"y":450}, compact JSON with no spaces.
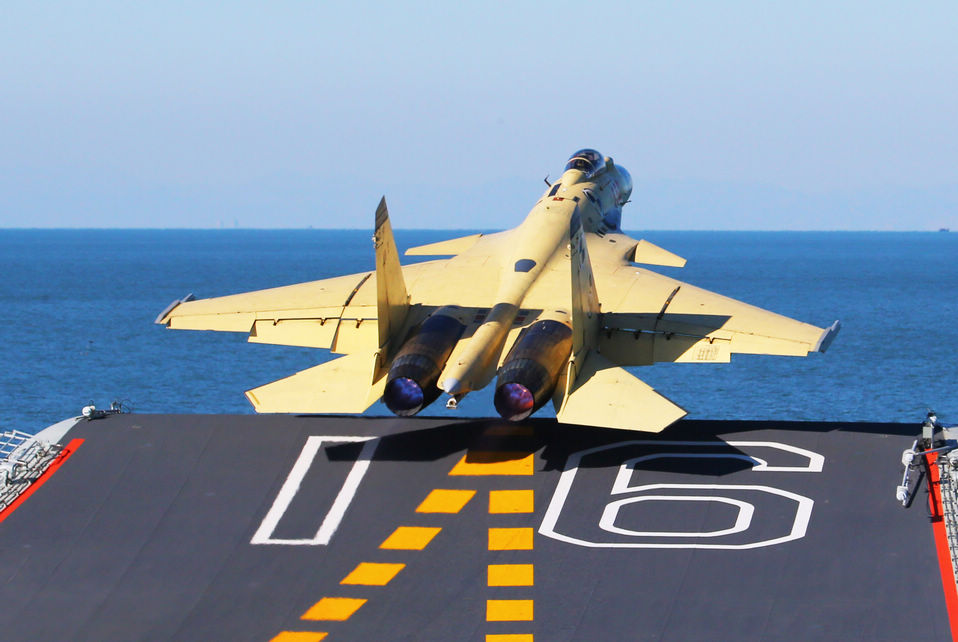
{"x":651,"y":254}
{"x":608,"y":396}
{"x":343,"y":385}
{"x":452,"y":247}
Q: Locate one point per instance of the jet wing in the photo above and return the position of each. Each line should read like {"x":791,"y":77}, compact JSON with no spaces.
{"x":339,"y":313}
{"x":306,"y":314}
{"x":648,"y":318}
{"x":236,"y":313}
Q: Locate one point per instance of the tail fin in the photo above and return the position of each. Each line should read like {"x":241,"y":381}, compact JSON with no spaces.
{"x":585,"y":300}
{"x":391,"y":297}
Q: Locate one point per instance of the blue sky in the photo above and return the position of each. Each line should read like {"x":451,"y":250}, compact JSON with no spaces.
{"x":728,"y":115}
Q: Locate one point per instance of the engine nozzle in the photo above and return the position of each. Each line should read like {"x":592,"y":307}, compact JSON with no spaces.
{"x":529,"y":374}
{"x":514,"y":401}
{"x":404,"y":396}
{"x":411,"y":383}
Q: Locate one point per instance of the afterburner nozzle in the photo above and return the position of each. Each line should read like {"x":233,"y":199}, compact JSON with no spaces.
{"x":411,"y":384}
{"x":404,"y":397}
{"x":529,"y":374}
{"x":514,"y":402}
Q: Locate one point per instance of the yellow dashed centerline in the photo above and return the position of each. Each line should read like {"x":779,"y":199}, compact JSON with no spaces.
{"x":509,"y":610}
{"x":511,"y":575}
{"x":373,"y":574}
{"x":507,"y":502}
{"x":510,"y":539}
{"x":442,"y":500}
{"x":410,"y":538}
{"x":512,"y":501}
{"x":338,"y":609}
{"x":417,"y":538}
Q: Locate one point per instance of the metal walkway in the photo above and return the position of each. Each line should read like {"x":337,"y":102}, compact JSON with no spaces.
{"x":948,"y":483}
{"x":23,"y":459}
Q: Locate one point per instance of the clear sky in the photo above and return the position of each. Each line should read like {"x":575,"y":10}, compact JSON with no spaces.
{"x":729,"y":115}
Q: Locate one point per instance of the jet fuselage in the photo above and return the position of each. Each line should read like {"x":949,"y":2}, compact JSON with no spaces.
{"x":591,"y":185}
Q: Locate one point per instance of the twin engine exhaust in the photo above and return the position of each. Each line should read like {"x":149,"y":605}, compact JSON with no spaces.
{"x":526,"y":380}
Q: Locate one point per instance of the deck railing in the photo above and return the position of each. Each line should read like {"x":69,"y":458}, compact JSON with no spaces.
{"x":23,"y":458}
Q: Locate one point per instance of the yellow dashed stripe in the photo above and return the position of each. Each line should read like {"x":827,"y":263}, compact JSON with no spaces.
{"x":509,"y":637}
{"x":485,"y":462}
{"x":511,"y":575}
{"x":445,"y":501}
{"x":511,"y":501}
{"x":410,"y":538}
{"x":338,"y":609}
{"x":508,"y":610}
{"x":372,"y":574}
{"x":299,"y":636}
{"x":510,"y":539}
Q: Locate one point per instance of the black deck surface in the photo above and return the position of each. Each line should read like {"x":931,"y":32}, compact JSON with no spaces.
{"x":145,"y":534}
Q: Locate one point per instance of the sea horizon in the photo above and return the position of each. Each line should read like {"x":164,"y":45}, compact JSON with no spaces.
{"x":80,"y":306}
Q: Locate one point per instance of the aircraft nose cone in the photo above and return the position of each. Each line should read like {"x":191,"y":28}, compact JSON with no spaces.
{"x":514,"y":401}
{"x":403,"y":396}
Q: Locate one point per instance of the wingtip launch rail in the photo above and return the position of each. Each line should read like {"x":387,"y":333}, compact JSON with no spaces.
{"x":555,"y":308}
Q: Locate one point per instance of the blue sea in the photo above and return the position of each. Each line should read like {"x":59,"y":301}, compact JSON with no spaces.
{"x":79,"y":306}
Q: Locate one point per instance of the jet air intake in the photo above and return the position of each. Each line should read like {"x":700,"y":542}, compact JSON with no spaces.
{"x":411,"y":383}
{"x":529,"y":374}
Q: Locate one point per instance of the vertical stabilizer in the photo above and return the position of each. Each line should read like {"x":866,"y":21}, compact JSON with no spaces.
{"x":391,"y":298}
{"x":585,"y":300}
{"x":595,"y":392}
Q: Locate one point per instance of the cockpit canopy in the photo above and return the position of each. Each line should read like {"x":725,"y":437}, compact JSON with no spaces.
{"x":587,"y":161}
{"x":625,"y":184}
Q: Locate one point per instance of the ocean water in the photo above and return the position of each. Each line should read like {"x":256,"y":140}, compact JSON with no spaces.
{"x":79,"y":307}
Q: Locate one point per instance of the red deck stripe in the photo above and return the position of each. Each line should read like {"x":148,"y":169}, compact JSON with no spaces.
{"x":944,"y":554}
{"x":42,"y":479}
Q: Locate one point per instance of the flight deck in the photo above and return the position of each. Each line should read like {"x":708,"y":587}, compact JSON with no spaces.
{"x":303,"y":528}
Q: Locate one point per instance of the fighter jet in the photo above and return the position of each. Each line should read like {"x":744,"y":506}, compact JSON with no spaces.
{"x":553,"y":309}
